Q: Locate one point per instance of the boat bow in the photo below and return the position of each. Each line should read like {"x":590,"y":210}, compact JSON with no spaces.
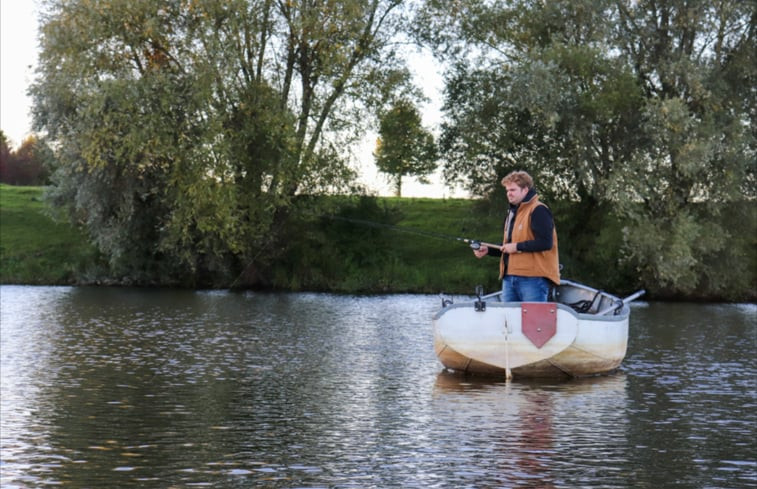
{"x":497,"y":336}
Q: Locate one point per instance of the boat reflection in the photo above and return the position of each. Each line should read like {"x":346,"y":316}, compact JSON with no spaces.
{"x":534,"y":425}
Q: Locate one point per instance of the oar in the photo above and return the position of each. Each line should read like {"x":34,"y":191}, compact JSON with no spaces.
{"x":623,"y":302}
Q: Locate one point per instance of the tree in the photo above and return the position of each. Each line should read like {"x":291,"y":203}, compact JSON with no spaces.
{"x":404,"y":147}
{"x":187,"y":128}
{"x":643,"y":108}
{"x":696,"y":63}
{"x":544,"y":94}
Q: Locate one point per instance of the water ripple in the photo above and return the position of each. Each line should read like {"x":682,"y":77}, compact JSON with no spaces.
{"x":134,"y":388}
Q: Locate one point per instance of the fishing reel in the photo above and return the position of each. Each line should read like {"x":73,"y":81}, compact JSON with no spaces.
{"x":475,"y":244}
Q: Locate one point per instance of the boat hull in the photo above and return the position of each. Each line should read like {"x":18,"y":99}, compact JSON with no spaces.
{"x":495,"y":339}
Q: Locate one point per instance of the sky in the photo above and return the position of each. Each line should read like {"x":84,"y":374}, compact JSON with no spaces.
{"x":18,"y":58}
{"x":18,"y":55}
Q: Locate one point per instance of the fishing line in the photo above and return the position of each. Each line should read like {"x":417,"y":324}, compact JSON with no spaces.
{"x":473,"y":243}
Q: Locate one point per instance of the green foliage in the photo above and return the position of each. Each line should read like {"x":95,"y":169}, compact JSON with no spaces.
{"x":404,"y":147}
{"x":114,"y":175}
{"x":644,"y":108}
{"x":184,"y":130}
{"x":332,"y":252}
{"x":391,"y":245}
{"x":731,"y":273}
{"x":547,"y":97}
{"x":708,"y":252}
{"x":370,"y":245}
{"x":590,"y":241}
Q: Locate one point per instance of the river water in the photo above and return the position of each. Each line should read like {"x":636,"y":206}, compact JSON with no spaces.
{"x":115,"y":387}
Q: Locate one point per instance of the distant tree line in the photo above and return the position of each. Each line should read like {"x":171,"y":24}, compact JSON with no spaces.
{"x":189,"y":134}
{"x":25,"y":165}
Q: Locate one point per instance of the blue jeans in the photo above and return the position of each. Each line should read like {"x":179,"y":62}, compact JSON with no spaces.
{"x":525,"y":289}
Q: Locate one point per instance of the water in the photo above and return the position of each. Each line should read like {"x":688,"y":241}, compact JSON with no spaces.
{"x":106,"y":388}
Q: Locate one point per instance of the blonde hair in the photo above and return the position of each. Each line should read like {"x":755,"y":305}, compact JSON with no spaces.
{"x":519,"y":178}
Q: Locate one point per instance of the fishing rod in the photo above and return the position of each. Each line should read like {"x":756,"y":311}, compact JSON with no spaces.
{"x":473,"y":243}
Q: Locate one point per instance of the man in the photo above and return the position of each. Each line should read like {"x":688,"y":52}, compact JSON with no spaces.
{"x":528,"y":263}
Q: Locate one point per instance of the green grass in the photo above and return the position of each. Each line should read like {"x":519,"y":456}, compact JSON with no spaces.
{"x":34,"y":248}
{"x":417,"y":253}
{"x":432,"y":264}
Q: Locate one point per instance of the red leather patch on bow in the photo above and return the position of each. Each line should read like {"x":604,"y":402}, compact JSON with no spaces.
{"x":538,"y":321}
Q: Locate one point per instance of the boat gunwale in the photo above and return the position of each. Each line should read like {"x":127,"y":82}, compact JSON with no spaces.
{"x":623,"y":315}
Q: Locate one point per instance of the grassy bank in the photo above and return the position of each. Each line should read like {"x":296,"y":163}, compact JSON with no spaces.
{"x":417,"y":253}
{"x":413,"y":250}
{"x":443,"y":264}
{"x":34,"y":248}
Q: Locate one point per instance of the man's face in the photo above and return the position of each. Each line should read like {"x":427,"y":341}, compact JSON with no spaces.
{"x":515,"y":194}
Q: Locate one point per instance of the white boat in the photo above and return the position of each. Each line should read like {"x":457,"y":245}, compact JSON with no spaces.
{"x":583,"y":332}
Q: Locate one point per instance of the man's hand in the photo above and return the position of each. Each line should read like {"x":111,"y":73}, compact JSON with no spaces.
{"x":510,"y":248}
{"x":481,"y":252}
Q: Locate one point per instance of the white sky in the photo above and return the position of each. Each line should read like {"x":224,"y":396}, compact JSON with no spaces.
{"x":18,"y":58}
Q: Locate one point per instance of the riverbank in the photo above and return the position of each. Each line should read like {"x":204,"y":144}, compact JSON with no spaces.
{"x":36,"y":249}
{"x":416,"y":253}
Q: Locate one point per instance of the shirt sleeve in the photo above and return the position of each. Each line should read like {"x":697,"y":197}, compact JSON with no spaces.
{"x":542,"y":226}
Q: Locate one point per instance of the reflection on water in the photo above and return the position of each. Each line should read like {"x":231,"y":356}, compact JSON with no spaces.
{"x":539,"y":432}
{"x":159,"y":388}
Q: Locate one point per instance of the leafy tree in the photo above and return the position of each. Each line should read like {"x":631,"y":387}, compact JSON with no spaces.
{"x":186,"y":128}
{"x":645,"y":109}
{"x":696,"y":63}
{"x":545,"y":94}
{"x":404,"y":147}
